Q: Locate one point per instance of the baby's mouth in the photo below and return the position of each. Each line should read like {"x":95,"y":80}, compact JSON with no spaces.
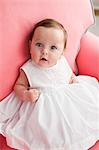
{"x":43,"y":59}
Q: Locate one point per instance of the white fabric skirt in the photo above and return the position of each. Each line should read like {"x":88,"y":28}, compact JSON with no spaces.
{"x":63,"y":118}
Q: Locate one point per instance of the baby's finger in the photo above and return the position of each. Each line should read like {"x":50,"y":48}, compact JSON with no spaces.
{"x":34,"y":94}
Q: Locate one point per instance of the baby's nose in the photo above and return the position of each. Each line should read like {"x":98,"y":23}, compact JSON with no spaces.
{"x":45,"y":51}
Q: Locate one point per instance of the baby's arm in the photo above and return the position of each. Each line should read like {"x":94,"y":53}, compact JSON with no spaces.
{"x":22,"y":89}
{"x":73,"y":79}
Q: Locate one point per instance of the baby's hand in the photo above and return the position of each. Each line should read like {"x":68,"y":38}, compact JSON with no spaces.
{"x":32,"y":95}
{"x":73,"y":79}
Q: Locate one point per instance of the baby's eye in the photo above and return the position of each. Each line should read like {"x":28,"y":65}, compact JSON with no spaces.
{"x":39,"y":44}
{"x":53,"y":47}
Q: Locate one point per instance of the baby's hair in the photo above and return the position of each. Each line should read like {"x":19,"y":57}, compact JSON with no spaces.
{"x":50,"y":23}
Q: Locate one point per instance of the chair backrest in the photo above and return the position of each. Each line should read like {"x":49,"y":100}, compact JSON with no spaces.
{"x":17,"y":18}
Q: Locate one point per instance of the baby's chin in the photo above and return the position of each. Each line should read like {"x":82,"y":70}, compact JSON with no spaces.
{"x":45,"y":64}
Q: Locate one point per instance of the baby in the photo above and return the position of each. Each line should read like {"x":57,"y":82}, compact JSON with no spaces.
{"x":47,"y":44}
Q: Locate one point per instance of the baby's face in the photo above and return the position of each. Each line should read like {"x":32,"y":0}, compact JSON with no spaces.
{"x":47,"y":46}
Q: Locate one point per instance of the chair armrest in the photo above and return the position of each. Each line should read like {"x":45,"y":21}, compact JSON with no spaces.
{"x":88,"y":56}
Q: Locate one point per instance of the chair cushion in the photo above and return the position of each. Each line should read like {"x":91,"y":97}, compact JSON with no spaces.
{"x":88,"y":57}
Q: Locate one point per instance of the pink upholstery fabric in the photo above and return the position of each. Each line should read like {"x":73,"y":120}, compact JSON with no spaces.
{"x":3,"y":145}
{"x":16,"y":21}
{"x":88,"y":57}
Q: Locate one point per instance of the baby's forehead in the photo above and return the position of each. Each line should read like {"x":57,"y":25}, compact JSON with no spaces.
{"x":48,"y":34}
{"x":43,"y":28}
{"x":51,"y":31}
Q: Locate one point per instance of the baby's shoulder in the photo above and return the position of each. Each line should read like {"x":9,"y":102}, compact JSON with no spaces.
{"x":27,"y":66}
{"x":64,"y":61}
{"x":28,"y":63}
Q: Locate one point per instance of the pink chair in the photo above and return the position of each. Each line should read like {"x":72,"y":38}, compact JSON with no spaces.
{"x":16,"y":21}
{"x":88,"y":56}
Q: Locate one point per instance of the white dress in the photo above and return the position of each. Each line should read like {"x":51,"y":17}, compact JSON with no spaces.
{"x":65,"y":117}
